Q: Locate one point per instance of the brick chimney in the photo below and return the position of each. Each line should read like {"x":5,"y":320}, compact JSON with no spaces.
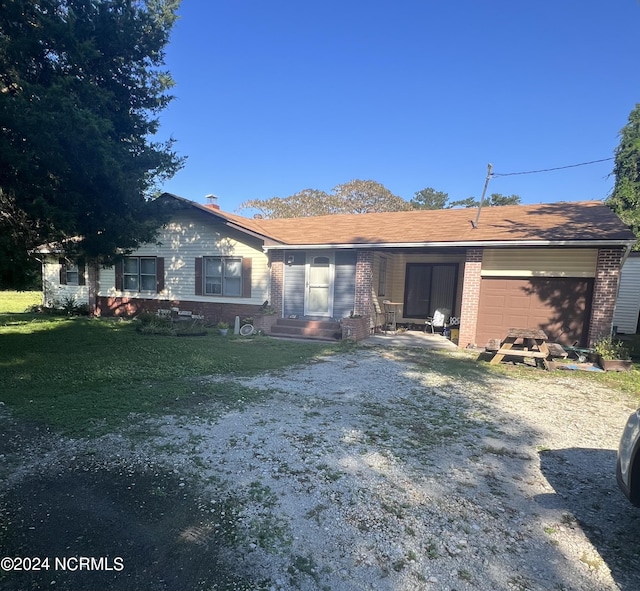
{"x":212,"y":202}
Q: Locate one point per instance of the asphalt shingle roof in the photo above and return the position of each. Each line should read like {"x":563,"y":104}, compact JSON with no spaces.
{"x":551,"y":222}
{"x":554,"y":222}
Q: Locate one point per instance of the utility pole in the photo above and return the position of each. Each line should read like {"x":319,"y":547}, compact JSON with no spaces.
{"x":484,"y":191}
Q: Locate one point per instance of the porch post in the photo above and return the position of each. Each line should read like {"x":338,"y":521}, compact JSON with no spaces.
{"x":605,"y":292}
{"x":470,"y":297}
{"x":364,"y":283}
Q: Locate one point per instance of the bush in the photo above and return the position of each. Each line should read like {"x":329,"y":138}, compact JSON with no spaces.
{"x":608,"y":348}
{"x":149,"y":323}
{"x":68,"y":307}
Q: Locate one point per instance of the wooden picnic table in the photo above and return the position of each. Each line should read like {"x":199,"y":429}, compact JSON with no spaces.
{"x":533,"y":346}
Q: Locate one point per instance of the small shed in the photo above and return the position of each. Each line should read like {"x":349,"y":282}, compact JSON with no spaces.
{"x":627,"y":313}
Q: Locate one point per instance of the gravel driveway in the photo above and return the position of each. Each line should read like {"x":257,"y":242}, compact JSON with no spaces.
{"x":386,"y":470}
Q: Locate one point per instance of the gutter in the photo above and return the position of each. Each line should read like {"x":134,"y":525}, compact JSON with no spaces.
{"x":627,"y":244}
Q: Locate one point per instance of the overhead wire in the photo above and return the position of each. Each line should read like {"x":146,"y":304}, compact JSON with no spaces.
{"x":498,"y":174}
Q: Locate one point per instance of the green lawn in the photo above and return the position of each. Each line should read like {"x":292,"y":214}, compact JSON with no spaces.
{"x":18,"y":301}
{"x":83,"y":376}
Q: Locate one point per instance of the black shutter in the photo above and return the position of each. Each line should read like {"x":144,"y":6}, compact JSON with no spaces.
{"x":119,"y":269}
{"x":63,"y":271}
{"x":246,"y":277}
{"x":159,"y":274}
{"x":198,"y":275}
{"x":81,"y":277}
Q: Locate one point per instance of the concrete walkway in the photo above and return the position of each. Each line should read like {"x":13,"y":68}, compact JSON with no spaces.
{"x":410,"y":338}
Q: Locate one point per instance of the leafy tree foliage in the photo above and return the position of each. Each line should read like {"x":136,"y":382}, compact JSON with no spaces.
{"x":308,"y":202}
{"x":468,"y":202}
{"x":356,"y":196}
{"x":431,"y":199}
{"x":625,"y":197}
{"x":499,"y":199}
{"x":81,"y":87}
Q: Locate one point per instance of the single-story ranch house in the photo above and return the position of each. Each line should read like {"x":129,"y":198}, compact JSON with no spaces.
{"x":554,"y":266}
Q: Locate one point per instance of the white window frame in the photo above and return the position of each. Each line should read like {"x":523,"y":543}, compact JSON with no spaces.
{"x":226,"y":279}
{"x":139,"y":276}
{"x":72,"y":271}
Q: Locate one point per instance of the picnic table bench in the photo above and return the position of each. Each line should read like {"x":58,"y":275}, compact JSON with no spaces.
{"x":533,"y":346}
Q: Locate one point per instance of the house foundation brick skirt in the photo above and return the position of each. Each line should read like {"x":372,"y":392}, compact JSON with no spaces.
{"x":213,"y":312}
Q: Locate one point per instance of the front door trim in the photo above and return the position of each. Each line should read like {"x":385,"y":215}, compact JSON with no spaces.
{"x":318,"y":294}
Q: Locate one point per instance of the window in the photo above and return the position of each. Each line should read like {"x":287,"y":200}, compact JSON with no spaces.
{"x":72,"y":274}
{"x":223,"y":276}
{"x":139,"y":274}
{"x":382,"y":277}
{"x":429,"y":287}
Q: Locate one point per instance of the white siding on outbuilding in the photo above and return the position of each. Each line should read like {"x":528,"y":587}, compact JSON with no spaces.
{"x":627,"y":309}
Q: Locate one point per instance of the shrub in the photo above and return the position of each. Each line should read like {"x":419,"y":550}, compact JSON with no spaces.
{"x":608,"y":348}
{"x":149,"y":323}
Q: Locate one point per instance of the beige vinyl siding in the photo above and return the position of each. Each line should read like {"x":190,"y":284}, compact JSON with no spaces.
{"x":54,"y":294}
{"x":627,"y":308}
{"x":378,"y":307}
{"x":532,"y":262}
{"x":181,"y":242}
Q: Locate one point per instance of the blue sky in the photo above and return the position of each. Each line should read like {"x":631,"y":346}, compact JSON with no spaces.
{"x":276,"y":97}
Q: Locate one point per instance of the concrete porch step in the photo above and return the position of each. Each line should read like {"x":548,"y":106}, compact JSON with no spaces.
{"x":307,"y":329}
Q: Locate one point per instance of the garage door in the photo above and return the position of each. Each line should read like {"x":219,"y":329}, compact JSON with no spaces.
{"x":559,"y":306}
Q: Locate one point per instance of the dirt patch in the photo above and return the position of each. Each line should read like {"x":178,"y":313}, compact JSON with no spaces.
{"x":115,"y":525}
{"x":386,"y":470}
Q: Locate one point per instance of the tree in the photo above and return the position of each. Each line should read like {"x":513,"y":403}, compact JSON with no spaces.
{"x":81,"y":87}
{"x":356,"y":196}
{"x":499,"y":199}
{"x":625,"y":196}
{"x":468,"y":202}
{"x":429,"y":199}
{"x":308,"y":202}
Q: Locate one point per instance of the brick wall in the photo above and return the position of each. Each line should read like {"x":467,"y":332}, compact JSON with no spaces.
{"x":277,"y":281}
{"x":470,"y":297}
{"x":364,"y":284}
{"x":605,"y":291}
{"x":213,"y":312}
{"x":355,"y":329}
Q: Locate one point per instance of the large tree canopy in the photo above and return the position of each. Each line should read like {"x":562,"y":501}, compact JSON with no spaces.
{"x":625,"y":197}
{"x":359,"y":196}
{"x":431,"y":199}
{"x":81,"y":87}
{"x":356,"y":196}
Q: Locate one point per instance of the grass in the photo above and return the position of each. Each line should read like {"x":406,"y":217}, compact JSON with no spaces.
{"x":624,"y":381}
{"x":83,"y":376}
{"x":18,"y":301}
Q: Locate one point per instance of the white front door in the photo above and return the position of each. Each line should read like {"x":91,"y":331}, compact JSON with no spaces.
{"x":318,"y":300}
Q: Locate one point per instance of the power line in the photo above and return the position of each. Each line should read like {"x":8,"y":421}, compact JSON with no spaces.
{"x":496,"y":174}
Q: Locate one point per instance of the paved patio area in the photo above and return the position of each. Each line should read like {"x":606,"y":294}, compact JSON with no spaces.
{"x":410,"y":338}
